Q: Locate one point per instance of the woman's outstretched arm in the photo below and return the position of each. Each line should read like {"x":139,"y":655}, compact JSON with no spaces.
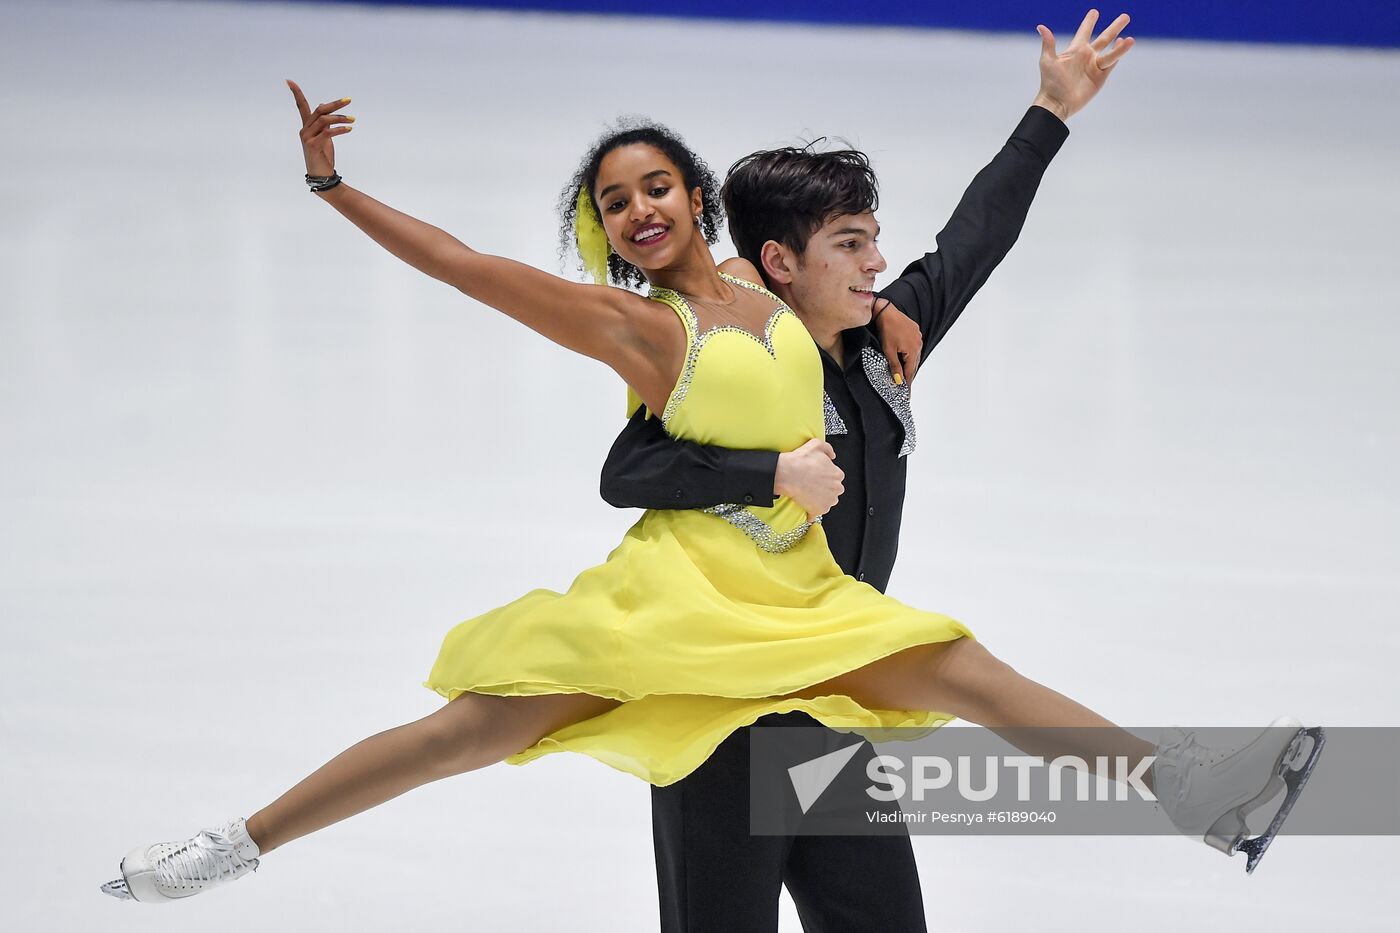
{"x":625,"y":331}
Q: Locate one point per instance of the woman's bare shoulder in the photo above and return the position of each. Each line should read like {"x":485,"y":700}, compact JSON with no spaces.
{"x":742,"y":269}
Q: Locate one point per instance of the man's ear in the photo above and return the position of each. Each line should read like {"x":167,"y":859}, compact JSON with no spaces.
{"x":778,"y":262}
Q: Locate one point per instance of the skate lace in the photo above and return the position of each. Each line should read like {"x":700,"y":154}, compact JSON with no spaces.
{"x":209,"y":856}
{"x":1183,"y":754}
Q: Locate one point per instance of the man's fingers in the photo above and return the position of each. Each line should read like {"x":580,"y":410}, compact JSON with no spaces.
{"x":1047,"y":41}
{"x":1109,"y":59}
{"x":1106,"y":37}
{"x":1086,"y":28}
{"x":827,"y":449}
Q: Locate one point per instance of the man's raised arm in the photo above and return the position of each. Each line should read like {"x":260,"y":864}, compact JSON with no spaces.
{"x":934,"y":290}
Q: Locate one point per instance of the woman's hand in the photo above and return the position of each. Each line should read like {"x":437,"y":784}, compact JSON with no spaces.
{"x":901,"y":340}
{"x":618,"y":327}
{"x":318,"y":128}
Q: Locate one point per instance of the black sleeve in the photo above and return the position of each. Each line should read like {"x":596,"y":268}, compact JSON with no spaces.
{"x":648,"y":469}
{"x":934,"y":290}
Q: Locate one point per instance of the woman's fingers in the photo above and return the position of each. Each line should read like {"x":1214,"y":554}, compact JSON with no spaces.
{"x":319,"y":127}
{"x":331,"y":106}
{"x":911,"y":367}
{"x":326,"y":120}
{"x":302,"y":107}
{"x":321,"y":124}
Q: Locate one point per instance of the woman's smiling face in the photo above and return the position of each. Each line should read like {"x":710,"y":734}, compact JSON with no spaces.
{"x":646,"y":211}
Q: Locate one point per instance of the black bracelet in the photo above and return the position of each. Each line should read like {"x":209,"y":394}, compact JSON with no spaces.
{"x":322,"y":182}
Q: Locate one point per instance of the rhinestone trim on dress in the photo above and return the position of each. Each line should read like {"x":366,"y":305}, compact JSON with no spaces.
{"x":695,"y":341}
{"x":834,"y":424}
{"x":895,"y":396}
{"x":762,"y":533}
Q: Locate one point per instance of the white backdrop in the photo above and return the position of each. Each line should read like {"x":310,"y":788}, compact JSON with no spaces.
{"x":254,"y":468}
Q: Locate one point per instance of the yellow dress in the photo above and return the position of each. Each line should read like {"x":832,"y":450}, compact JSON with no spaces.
{"x":700,"y":619}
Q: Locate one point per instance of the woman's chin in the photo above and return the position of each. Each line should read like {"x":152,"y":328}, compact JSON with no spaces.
{"x":647,"y":262}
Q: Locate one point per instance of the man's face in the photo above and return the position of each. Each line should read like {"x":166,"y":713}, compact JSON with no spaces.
{"x":833,"y":281}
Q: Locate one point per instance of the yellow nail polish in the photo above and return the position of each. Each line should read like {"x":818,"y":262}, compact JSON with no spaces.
{"x":351,"y":119}
{"x":899,"y":379}
{"x":345,"y":100}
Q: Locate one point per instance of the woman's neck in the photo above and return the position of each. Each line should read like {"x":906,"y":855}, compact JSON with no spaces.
{"x":695,"y":275}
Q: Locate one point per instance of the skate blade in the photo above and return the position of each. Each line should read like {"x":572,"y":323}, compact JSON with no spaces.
{"x":118,"y":889}
{"x":1232,"y":828}
{"x":1294,"y":778}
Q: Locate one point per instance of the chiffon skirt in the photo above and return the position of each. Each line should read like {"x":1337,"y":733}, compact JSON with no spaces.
{"x":698,"y":632}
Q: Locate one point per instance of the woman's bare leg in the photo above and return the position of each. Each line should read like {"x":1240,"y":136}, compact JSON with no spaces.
{"x":470,"y":732}
{"x":964,"y":678}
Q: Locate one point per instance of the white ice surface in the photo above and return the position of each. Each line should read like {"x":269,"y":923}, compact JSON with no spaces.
{"x":253,"y":467}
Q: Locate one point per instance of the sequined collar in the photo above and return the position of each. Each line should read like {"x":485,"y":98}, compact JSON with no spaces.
{"x":877,"y":370}
{"x":671,"y":296}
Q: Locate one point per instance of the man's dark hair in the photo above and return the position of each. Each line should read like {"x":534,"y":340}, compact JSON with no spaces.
{"x":788,"y":194}
{"x":694,"y":174}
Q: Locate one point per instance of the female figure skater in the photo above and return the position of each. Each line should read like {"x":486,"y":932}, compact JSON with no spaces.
{"x":699,"y":622}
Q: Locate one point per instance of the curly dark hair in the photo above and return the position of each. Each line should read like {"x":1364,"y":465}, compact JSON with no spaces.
{"x":787,"y":194}
{"x":694,"y":173}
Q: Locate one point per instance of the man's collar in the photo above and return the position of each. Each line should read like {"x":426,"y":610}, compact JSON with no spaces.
{"x":853,"y":341}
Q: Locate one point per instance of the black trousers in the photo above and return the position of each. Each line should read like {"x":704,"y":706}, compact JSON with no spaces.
{"x":715,"y":877}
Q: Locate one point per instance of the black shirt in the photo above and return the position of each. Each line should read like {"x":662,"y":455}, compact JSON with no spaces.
{"x":648,"y":469}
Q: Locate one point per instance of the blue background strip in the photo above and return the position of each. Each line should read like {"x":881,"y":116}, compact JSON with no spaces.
{"x":1359,"y":23}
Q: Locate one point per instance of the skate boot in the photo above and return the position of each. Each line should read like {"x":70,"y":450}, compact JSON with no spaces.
{"x":169,"y":871}
{"x":1207,"y":793}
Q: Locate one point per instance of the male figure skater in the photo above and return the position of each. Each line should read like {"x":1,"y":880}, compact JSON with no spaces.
{"x":806,"y":220}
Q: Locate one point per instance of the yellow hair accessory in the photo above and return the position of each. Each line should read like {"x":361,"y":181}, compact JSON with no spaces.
{"x":592,"y":241}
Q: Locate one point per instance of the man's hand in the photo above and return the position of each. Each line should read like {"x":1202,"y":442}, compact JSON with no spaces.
{"x":1070,"y":79}
{"x":810,"y":477}
{"x":900,"y":339}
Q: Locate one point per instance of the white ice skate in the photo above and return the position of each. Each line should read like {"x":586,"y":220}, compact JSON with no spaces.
{"x":169,"y":871}
{"x":1208,"y":793}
